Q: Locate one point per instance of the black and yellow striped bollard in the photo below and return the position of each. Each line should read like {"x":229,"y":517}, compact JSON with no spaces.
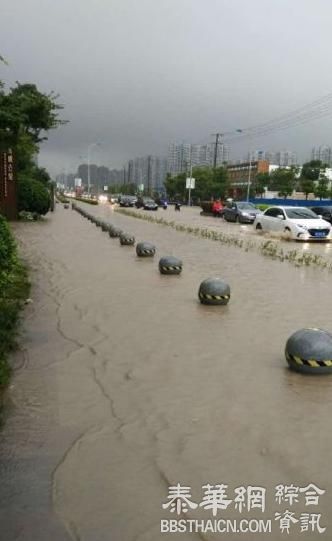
{"x":127,"y":240}
{"x":310,"y":351}
{"x":214,"y":291}
{"x":145,"y":249}
{"x":170,"y":265}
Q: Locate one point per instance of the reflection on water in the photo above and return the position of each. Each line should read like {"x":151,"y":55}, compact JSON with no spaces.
{"x":146,"y":387}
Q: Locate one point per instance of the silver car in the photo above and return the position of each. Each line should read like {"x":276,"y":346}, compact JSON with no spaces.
{"x":240,"y":211}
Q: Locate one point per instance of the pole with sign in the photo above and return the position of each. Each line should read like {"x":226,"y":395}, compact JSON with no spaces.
{"x":8,"y":188}
{"x":190,"y":185}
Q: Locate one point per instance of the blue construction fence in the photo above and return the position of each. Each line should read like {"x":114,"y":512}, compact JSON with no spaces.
{"x":292,"y":202}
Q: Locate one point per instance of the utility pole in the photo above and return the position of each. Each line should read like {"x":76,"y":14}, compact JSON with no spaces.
{"x":217,"y":136}
{"x":190,"y":176}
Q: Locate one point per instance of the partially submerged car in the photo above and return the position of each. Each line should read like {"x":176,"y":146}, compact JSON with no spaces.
{"x":128,"y":200}
{"x":240,"y":211}
{"x":146,"y":203}
{"x":298,"y":223}
{"x":324,"y":211}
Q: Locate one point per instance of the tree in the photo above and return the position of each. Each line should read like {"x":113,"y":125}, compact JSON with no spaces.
{"x":26,"y":115}
{"x":33,"y":196}
{"x":40,"y":174}
{"x":310,"y":175}
{"x":26,"y":111}
{"x":262,"y":181}
{"x":311,"y":170}
{"x":283,"y":180}
{"x":210,"y":183}
{"x":321,"y":188}
{"x":307,"y":186}
{"x":126,"y":189}
{"x":176,"y":186}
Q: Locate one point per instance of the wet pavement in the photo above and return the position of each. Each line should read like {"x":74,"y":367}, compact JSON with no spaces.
{"x":125,"y":385}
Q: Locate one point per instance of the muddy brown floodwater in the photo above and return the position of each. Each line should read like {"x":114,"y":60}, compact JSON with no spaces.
{"x":126,"y":385}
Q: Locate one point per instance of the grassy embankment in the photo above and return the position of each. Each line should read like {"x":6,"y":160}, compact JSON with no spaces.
{"x":14,"y":289}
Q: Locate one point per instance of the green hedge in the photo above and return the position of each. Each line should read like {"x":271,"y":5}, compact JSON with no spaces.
{"x":263,"y":206}
{"x":14,"y":289}
{"x":62,"y":198}
{"x":33,"y":196}
{"x":89,"y":201}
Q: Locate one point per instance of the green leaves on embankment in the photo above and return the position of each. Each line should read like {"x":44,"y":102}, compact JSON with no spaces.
{"x":14,"y":289}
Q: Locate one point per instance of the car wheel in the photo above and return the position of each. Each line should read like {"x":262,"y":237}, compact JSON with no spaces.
{"x":237,"y":219}
{"x":287,"y":233}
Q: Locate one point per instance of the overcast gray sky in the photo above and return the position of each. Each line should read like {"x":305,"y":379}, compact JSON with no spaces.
{"x":138,"y":74}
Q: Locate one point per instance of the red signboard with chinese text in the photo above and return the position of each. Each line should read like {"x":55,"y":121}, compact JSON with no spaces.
{"x":8,"y":188}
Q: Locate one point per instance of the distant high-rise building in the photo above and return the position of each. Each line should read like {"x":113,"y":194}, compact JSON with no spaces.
{"x":181,"y":156}
{"x":148,"y":170}
{"x":178,"y":159}
{"x":283,"y":158}
{"x":322,"y":153}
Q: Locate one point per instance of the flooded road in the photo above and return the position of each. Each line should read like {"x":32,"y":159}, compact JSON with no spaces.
{"x":190,"y":216}
{"x":126,"y":385}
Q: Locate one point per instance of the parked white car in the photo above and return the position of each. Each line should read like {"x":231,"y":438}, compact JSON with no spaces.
{"x":298,"y":223}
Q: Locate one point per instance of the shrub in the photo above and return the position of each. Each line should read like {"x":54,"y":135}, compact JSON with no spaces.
{"x":33,"y":196}
{"x":14,"y":288}
{"x":263,"y":206}
{"x":7,"y":248}
{"x":62,"y":198}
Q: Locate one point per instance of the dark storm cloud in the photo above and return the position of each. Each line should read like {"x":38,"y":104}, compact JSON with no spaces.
{"x":136,"y":75}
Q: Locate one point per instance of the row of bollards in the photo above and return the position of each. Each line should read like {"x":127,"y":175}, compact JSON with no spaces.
{"x":307,"y":350}
{"x":211,"y":291}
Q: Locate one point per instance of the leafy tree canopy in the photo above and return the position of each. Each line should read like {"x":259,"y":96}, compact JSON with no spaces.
{"x":262,"y":181}
{"x":283,"y":180}
{"x":26,"y":115}
{"x":210,"y":183}
{"x":311,"y":170}
{"x":24,"y":110}
{"x":321,"y":188}
{"x":33,"y":196}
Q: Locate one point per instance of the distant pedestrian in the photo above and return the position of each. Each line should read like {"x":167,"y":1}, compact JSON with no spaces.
{"x":216,"y":208}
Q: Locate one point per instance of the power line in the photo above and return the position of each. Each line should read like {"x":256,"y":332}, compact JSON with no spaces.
{"x":315,"y":110}
{"x":319,"y":108}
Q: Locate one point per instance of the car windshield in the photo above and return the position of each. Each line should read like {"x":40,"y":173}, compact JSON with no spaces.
{"x":301,"y":214}
{"x":246,"y":206}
